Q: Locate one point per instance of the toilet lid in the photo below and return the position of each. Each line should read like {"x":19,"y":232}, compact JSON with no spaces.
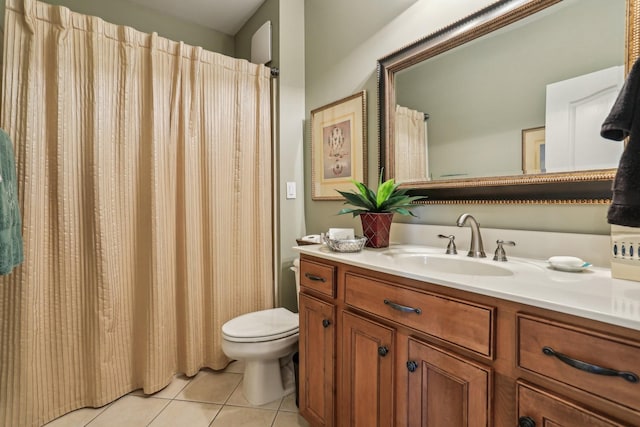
{"x":265,"y":325}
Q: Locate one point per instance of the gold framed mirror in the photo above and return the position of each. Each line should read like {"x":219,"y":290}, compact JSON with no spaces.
{"x":505,"y":105}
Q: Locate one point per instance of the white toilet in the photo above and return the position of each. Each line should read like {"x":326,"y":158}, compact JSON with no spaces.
{"x":265,"y":340}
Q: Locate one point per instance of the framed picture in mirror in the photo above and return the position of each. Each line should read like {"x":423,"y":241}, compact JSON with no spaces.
{"x":338,"y":146}
{"x":533,"y":150}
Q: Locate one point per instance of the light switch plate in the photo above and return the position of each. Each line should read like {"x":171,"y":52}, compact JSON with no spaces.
{"x":291,"y":190}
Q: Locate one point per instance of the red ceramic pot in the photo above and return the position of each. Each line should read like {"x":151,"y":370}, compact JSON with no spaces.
{"x":376,"y":228}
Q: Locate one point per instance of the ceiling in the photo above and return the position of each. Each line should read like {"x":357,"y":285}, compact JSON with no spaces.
{"x":226,"y":16}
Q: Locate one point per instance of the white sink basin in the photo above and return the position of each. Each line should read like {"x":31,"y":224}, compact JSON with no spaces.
{"x":409,"y":251}
{"x":451,"y":264}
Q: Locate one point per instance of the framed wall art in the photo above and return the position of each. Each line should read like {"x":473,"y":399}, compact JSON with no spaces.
{"x":338,"y":146}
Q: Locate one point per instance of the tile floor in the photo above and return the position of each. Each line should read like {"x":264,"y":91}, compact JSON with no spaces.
{"x":211,"y":398}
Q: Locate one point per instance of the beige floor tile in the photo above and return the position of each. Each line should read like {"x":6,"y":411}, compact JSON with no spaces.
{"x":210,"y":386}
{"x":236,"y":367}
{"x":183,"y":413}
{"x":238,"y":399}
{"x":235,"y":416}
{"x":130,"y":411}
{"x":137,"y":392}
{"x":170,"y":391}
{"x":289,"y":419}
{"x":289,"y":403}
{"x":173,"y":388}
{"x":79,"y":417}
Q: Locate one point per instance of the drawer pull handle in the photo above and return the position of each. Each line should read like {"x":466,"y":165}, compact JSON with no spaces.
{"x":412,"y":366}
{"x":326,"y":323}
{"x":587,"y":367}
{"x":402,"y":308}
{"x":382,"y":351}
{"x":526,"y":422}
{"x":314,"y":277}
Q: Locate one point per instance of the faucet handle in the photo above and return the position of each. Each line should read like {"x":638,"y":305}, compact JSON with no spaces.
{"x":451,"y":247}
{"x":500,"y":254}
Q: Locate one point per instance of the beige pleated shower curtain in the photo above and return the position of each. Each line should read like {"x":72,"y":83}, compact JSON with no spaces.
{"x":411,"y":161}
{"x":144,"y":170}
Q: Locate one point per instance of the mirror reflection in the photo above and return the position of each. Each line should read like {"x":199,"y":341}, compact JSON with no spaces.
{"x":526,"y":99}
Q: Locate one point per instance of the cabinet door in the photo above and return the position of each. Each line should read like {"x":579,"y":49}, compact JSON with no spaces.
{"x":538,"y":408}
{"x":446,"y":389}
{"x":367,"y":373}
{"x":317,"y":355}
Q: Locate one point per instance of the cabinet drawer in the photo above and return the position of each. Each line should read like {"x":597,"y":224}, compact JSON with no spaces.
{"x":319,"y":277}
{"x":462,"y":323}
{"x":538,"y":338}
{"x":541,"y":406}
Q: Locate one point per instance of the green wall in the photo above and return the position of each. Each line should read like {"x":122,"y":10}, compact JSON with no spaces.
{"x":269,"y":11}
{"x":287,"y":21}
{"x":291,"y":113}
{"x":122,"y":12}
{"x":340,"y":64}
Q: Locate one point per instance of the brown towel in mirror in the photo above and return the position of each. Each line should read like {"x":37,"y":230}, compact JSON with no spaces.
{"x":623,"y":121}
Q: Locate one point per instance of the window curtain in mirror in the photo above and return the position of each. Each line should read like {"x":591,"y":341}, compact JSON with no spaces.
{"x":410,"y":154}
{"x":144,"y":178}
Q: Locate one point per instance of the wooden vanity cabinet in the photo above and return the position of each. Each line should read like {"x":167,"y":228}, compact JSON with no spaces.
{"x":401,"y":352}
{"x":384,"y":373}
{"x":442,"y":386}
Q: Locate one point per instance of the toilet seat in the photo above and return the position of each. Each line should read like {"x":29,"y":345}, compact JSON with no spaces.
{"x":260,"y":326}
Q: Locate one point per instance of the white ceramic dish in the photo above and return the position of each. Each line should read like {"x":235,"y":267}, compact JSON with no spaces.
{"x":568,"y":263}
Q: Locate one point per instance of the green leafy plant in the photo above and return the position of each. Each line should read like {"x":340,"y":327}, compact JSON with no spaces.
{"x":387,"y":198}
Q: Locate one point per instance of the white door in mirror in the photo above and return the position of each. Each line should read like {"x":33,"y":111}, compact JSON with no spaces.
{"x":575,"y":110}
{"x":568,"y":263}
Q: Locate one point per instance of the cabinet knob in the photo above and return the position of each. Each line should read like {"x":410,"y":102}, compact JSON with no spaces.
{"x":382,"y":351}
{"x":326,"y":323}
{"x":526,"y":422}
{"x":412,"y":366}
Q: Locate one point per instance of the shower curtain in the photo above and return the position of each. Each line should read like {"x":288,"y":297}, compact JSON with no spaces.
{"x":411,"y":145}
{"x":144,"y":173}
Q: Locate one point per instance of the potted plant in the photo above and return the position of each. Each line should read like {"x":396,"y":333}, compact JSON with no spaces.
{"x":376,"y":208}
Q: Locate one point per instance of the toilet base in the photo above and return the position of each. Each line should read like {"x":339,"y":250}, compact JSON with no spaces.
{"x":263,"y":381}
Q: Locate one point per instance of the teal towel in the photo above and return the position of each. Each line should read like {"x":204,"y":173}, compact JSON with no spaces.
{"x":10,"y":221}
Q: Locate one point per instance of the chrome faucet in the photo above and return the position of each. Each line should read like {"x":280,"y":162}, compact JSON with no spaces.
{"x":476,"y":250}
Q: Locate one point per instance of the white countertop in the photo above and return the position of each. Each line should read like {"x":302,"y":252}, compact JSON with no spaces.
{"x":591,"y":294}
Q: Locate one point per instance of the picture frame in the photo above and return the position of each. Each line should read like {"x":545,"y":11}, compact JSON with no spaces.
{"x":338,"y":146}
{"x":533,"y":150}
